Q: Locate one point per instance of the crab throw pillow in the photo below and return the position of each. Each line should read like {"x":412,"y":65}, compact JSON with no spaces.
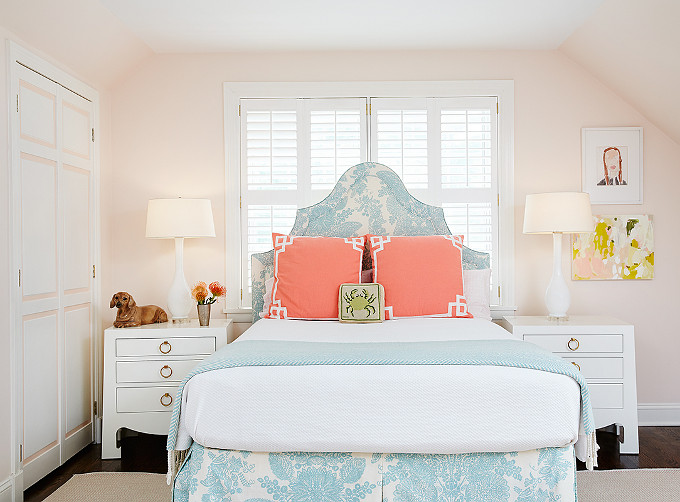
{"x":361,"y":302}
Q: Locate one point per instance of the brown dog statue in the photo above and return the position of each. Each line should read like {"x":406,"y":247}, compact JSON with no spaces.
{"x":130,"y":315}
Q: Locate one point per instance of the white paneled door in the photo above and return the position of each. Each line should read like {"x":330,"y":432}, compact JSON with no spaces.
{"x":53,"y":187}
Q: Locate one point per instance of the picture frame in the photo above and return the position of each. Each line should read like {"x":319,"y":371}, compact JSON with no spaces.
{"x":611,"y":167}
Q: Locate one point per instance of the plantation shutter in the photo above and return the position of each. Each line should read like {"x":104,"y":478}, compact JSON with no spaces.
{"x":469,"y":143}
{"x":399,"y":138}
{"x":445,"y":150}
{"x":292,"y":153}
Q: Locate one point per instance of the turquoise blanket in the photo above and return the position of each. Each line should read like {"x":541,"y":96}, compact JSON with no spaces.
{"x":512,"y":353}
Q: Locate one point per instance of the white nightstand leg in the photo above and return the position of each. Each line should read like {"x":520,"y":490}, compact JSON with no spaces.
{"x":630,"y":444}
{"x":110,"y":449}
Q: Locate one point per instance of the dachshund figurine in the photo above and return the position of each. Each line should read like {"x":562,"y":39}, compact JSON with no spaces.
{"x":130,"y":315}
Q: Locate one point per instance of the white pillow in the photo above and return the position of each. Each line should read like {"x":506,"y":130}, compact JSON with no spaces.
{"x":476,"y":288}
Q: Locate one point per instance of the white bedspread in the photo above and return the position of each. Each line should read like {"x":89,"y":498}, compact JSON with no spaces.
{"x":385,"y":409}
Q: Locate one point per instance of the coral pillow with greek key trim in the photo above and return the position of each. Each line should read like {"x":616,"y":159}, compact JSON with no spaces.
{"x":422,"y":276}
{"x":308,"y":272}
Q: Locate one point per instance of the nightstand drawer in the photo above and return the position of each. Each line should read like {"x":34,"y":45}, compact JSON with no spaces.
{"x":575,"y":343}
{"x":598,"y":367}
{"x":165,"y":370}
{"x":142,"y":399}
{"x":606,"y":395}
{"x":174,"y":346}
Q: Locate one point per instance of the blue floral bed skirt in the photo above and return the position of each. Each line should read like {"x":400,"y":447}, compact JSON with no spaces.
{"x":210,"y":475}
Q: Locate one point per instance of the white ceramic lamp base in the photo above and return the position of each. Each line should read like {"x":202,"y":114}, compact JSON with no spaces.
{"x":557,"y":297}
{"x":179,"y":296}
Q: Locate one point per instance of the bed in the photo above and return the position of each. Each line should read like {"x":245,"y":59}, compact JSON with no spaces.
{"x":408,"y":409}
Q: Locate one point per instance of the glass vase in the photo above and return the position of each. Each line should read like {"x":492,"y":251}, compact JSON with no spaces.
{"x":203,"y":314}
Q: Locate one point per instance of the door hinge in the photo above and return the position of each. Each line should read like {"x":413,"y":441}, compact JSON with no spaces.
{"x":19,"y":277}
{"x":241,"y":294}
{"x":94,"y":408}
{"x":93,"y":135}
{"x":499,"y":291}
{"x":93,"y":275}
{"x":497,"y":108}
{"x":240,"y":202}
{"x":239,"y":110}
{"x":21,"y":453}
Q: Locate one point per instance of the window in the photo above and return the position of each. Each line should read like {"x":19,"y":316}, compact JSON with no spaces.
{"x":450,"y":151}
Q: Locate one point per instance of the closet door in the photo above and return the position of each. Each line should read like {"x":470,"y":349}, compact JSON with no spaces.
{"x":52,"y":186}
{"x":39,"y":274}
{"x":77,"y":230}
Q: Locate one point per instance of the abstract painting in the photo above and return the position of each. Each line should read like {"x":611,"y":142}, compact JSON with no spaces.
{"x":622,"y":247}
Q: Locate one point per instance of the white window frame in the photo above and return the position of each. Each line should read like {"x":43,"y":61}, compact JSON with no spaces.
{"x":503,"y":90}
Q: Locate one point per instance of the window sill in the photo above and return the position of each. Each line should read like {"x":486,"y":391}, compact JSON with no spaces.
{"x":498,"y":311}
{"x":239,"y":314}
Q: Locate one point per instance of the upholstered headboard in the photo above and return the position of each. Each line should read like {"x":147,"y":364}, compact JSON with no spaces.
{"x":369,"y":198}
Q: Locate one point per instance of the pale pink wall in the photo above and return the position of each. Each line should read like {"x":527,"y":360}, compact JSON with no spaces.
{"x":632,"y":47}
{"x":167,"y":126}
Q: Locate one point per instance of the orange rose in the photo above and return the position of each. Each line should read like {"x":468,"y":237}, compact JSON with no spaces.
{"x":200,"y":292}
{"x":217,"y":289}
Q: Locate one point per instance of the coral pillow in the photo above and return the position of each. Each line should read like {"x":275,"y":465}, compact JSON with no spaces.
{"x":308,"y":272}
{"x":422,"y":276}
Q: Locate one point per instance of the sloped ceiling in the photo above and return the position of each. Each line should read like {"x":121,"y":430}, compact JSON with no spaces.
{"x":178,"y":26}
{"x":82,"y":35}
{"x":632,"y":47}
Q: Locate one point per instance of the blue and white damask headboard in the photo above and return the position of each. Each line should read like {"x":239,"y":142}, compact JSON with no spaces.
{"x":369,"y":198}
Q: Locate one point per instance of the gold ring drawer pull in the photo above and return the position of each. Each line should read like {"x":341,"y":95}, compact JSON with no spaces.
{"x":577,"y":366}
{"x":164,"y":399}
{"x":571,"y":343}
{"x":166,"y":371}
{"x":169,"y":347}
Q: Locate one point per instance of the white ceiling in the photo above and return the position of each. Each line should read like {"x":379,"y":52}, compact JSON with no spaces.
{"x":182,"y":26}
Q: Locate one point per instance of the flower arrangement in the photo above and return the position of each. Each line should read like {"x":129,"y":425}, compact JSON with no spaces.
{"x":207,"y":295}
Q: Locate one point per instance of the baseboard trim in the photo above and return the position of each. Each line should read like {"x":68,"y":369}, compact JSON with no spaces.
{"x":7,"y":490}
{"x":659,"y":414}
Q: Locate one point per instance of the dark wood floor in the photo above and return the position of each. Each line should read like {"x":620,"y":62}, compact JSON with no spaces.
{"x":659,"y":447}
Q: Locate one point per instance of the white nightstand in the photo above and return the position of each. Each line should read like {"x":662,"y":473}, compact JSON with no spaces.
{"x":142,"y":369}
{"x":603,"y":348}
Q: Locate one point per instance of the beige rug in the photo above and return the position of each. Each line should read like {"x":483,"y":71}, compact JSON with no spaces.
{"x":632,"y":485}
{"x":113,"y":487}
{"x":629,"y":485}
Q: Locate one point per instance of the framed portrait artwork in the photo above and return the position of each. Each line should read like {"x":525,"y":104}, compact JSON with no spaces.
{"x":612,"y":165}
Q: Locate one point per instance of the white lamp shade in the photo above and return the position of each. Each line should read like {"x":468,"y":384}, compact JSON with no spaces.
{"x":566,"y":212}
{"x":169,"y":218}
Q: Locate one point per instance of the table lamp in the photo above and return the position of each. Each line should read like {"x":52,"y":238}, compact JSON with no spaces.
{"x":179,"y":219}
{"x":558,"y":213}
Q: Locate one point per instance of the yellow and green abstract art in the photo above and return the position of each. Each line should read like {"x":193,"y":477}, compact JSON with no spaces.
{"x":622,"y":247}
